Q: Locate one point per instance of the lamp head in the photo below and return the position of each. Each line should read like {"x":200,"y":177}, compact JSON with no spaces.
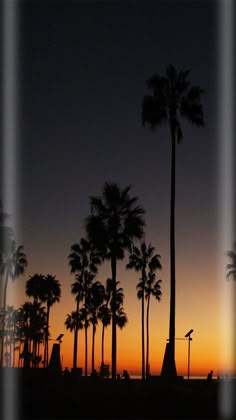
{"x":189,"y":333}
{"x":59,"y":337}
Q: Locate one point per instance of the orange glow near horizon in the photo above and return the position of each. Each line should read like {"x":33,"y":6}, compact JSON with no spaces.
{"x":198,"y":306}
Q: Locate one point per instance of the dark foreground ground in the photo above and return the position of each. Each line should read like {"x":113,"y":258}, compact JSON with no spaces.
{"x":44,"y":396}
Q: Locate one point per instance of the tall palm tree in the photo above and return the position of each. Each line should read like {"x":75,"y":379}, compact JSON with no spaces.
{"x":114,"y":224}
{"x":96,"y":297}
{"x":84,"y":261}
{"x":13,"y":264}
{"x":77,"y":290}
{"x":50,"y":295}
{"x":139,"y":260}
{"x":153,"y":288}
{"x":231,"y":267}
{"x":172,"y":98}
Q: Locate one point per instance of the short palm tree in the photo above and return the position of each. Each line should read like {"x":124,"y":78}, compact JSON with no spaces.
{"x":153,"y":288}
{"x":84,"y":261}
{"x":104,"y":314}
{"x":96,"y":298}
{"x":38,"y":323}
{"x":51,"y":294}
{"x":34,"y":288}
{"x":74,"y":323}
{"x":26,"y":315}
{"x":172,"y":98}
{"x":77,"y":289}
{"x":139,"y":260}
{"x":231,"y":267}
{"x":115,"y":222}
{"x":13,"y":265}
{"x":9,"y":334}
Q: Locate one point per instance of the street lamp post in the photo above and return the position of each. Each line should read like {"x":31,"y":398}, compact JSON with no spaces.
{"x":189,"y":339}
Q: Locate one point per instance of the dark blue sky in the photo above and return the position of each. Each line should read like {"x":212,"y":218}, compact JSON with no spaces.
{"x":84,"y":67}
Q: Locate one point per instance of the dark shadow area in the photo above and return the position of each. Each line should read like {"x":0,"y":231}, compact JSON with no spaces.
{"x":44,"y":394}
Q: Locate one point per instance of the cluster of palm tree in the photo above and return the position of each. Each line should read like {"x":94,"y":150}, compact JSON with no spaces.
{"x":26,"y":329}
{"x":112,"y":227}
{"x":96,"y":306}
{"x":147,"y":263}
{"x":13,"y":263}
{"x":115,"y":223}
{"x":43,"y":289}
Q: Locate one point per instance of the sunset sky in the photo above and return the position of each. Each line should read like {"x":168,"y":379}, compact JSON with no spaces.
{"x":83,"y":68}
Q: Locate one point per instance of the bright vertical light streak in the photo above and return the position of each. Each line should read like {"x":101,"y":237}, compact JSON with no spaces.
{"x":9,"y":169}
{"x":226,"y":189}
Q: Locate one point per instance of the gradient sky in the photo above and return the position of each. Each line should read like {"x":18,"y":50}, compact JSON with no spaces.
{"x":83,"y":68}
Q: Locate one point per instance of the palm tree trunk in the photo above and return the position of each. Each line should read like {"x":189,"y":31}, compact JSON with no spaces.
{"x":11,"y":354}
{"x":147,"y":327}
{"x":46,"y":339}
{"x":86,"y":336}
{"x":172,"y":254}
{"x":76,"y":339}
{"x":93,"y":346}
{"x":14,"y":345}
{"x":34,"y":351}
{"x":4,"y":317}
{"x":103,"y":335}
{"x":113,"y":356}
{"x":143,"y":338}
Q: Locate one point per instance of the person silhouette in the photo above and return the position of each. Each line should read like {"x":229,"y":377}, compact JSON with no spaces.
{"x":125,"y":375}
{"x":209,"y":376}
{"x":66,"y":372}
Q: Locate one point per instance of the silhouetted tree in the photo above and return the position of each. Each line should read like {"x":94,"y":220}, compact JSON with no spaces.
{"x":34,"y":287}
{"x":77,"y":289}
{"x":114,"y":224}
{"x":116,"y":307}
{"x":152,"y":288}
{"x":14,"y":320}
{"x":84,"y":261}
{"x":139,"y":260}
{"x":104,"y":314}
{"x":172,"y":98}
{"x":74,"y":323}
{"x":231,"y":267}
{"x":9,"y":337}
{"x":96,"y":297}
{"x":51,"y":294}
{"x":13,"y":264}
